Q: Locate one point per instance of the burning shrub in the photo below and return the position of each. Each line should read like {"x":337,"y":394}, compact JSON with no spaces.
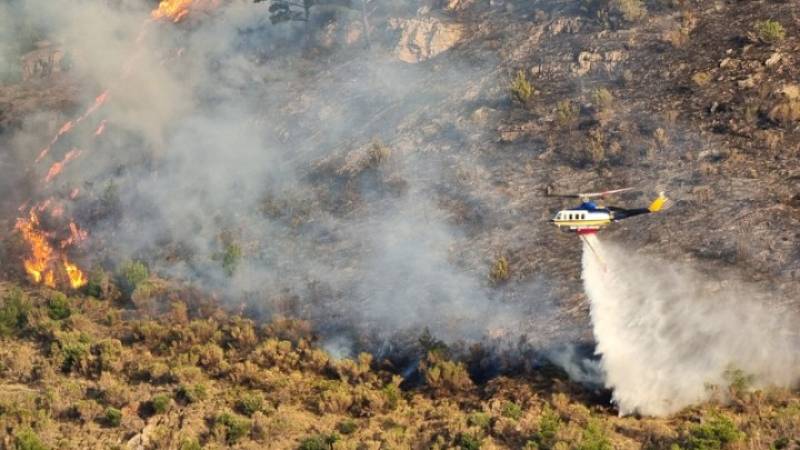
{"x":14,"y":312}
{"x":58,"y":306}
{"x":770,"y":31}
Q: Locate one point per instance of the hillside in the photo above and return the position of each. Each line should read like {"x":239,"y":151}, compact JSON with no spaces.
{"x":264,"y":227}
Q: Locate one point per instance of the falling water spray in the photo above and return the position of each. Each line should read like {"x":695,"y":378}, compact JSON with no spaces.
{"x":669,"y":337}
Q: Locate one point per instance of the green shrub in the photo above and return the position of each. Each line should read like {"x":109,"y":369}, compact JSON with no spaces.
{"x":26,"y":439}
{"x":131,"y":274}
{"x":249,"y":403}
{"x":594,"y":438}
{"x":549,"y":424}
{"x":14,"y":312}
{"x":713,"y":434}
{"x":479,"y":419}
{"x":511,"y":410}
{"x":235,"y":427}
{"x":190,"y":444}
{"x":74,"y":350}
{"x":466,"y":441}
{"x":602,"y":98}
{"x":112,"y":417}
{"x":566,"y":112}
{"x":770,"y":31}
{"x":521,"y":88}
{"x":58,"y":307}
{"x":191,"y":394}
{"x":630,"y":10}
{"x":499,"y":271}
{"x":347,"y":426}
{"x":229,"y":258}
{"x":392,"y":394}
{"x":319,"y":442}
{"x":160,"y":403}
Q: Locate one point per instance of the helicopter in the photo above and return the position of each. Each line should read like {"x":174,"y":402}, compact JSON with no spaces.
{"x":589,"y":217}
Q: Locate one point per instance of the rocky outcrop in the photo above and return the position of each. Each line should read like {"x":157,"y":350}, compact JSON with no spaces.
{"x":423,"y":38}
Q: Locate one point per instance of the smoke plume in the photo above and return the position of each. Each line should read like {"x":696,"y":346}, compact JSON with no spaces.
{"x":666,"y":333}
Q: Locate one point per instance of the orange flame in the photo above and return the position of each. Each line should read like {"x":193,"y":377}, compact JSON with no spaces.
{"x":174,"y":10}
{"x":57,"y":167}
{"x":76,"y":277}
{"x":42,"y":264}
{"x":100,"y":128}
{"x":42,"y":253}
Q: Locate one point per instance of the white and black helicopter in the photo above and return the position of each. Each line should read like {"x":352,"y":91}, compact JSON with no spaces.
{"x":589,"y":217}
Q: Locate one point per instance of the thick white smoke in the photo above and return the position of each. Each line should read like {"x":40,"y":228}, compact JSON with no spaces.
{"x":666,"y":333}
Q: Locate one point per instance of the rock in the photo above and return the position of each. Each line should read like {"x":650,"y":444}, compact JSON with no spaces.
{"x":773,"y":60}
{"x":483,"y":115}
{"x":42,"y":62}
{"x":423,"y":38}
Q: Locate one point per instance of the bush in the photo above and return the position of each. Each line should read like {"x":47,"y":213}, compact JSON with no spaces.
{"x":160,"y":403}
{"x":602,"y":98}
{"x":392,"y":394}
{"x":549,"y":424}
{"x":468,"y":442}
{"x":14,"y":312}
{"x":234,"y":427}
{"x":26,"y":439}
{"x":58,"y":307}
{"x":191,"y":394}
{"x":499,"y":271}
{"x":74,"y":350}
{"x":112,"y":417}
{"x":594,"y":438}
{"x":521,"y":88}
{"x":479,"y":419}
{"x":319,"y":442}
{"x":229,"y":258}
{"x":770,"y":31}
{"x":630,"y":10}
{"x":249,"y":403}
{"x":131,"y":274}
{"x":190,"y":444}
{"x":511,"y":410}
{"x":566,"y":112}
{"x":347,"y":426}
{"x":713,"y":434}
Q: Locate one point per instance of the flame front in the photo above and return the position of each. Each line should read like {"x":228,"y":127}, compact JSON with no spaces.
{"x":37,"y":265}
{"x":76,"y":277}
{"x":174,"y":10}
{"x":44,"y":262}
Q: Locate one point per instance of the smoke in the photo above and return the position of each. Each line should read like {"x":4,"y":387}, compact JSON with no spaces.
{"x":327,"y":173}
{"x":666,"y":333}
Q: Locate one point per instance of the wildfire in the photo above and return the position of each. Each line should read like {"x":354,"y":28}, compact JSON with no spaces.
{"x":57,"y":167}
{"x":174,"y":10}
{"x":44,"y":262}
